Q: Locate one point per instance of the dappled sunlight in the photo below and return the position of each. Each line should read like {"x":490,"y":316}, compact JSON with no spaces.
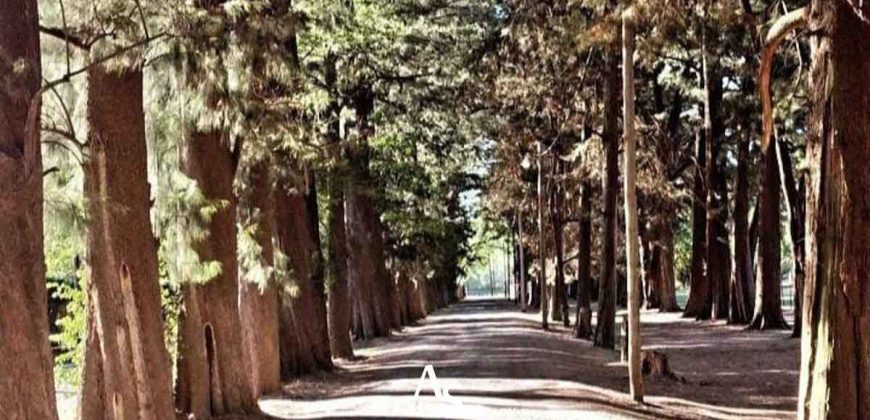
{"x":499,"y":363}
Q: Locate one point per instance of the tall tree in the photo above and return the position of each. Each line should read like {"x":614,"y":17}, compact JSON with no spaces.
{"x":835,"y":375}
{"x":605,"y":332}
{"x":27,"y":382}
{"x":339,"y":307}
{"x":127,"y":372}
{"x":583,"y":322}
{"x":258,"y":288}
{"x":768,"y":292}
{"x":211,"y":377}
{"x":304,"y":334}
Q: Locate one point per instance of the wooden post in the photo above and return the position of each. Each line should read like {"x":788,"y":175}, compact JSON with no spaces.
{"x":631,"y":234}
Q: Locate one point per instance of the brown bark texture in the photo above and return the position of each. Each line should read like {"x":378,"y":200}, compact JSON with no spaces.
{"x":370,"y":284}
{"x":211,"y":379}
{"x":27,"y":379}
{"x":127,"y":372}
{"x":835,"y":367}
{"x":303,"y":321}
{"x":258,"y":289}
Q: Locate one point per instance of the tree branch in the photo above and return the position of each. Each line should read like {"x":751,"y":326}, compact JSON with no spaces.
{"x":785,"y":24}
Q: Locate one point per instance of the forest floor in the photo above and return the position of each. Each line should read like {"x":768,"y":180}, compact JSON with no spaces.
{"x":498,"y":363}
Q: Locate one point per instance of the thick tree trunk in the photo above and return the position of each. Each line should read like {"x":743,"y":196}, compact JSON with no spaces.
{"x":304,"y":333}
{"x":605,"y":331}
{"x":369,"y":281}
{"x":258,"y":290}
{"x":27,"y":379}
{"x":698,"y":290}
{"x":339,"y":307}
{"x":211,"y":377}
{"x":632,"y":250}
{"x":583,"y":327}
{"x":835,"y":371}
{"x":128,"y":373}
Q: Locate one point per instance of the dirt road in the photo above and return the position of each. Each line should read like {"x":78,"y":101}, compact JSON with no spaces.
{"x":498,"y":364}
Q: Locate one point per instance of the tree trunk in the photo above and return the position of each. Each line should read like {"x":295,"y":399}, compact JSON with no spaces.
{"x":128,"y":373}
{"x":211,"y":377}
{"x":304,"y":333}
{"x":521,"y":254}
{"x":369,"y":281}
{"x":583,"y":327}
{"x":835,"y":372}
{"x":605,"y":332}
{"x":793,"y":189}
{"x":698,"y":289}
{"x":632,"y":256}
{"x":768,"y":300}
{"x":27,"y":381}
{"x":339,"y":307}
{"x":258,"y":290}
{"x":559,"y":301}
{"x":741,"y":285}
{"x":542,"y":242}
{"x":667,"y":252}
{"x":718,"y":248}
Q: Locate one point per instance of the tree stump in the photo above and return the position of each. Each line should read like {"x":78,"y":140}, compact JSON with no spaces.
{"x":656,"y":364}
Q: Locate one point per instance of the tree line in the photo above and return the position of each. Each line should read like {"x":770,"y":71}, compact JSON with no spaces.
{"x":255,"y":183}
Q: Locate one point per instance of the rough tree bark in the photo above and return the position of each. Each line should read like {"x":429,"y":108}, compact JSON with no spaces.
{"x":27,"y":381}
{"x":635,"y":378}
{"x":605,"y":331}
{"x":127,"y":372}
{"x":211,"y":377}
{"x":835,"y":371}
{"x":304,"y":333}
{"x":258,"y":290}
{"x":369,"y":282}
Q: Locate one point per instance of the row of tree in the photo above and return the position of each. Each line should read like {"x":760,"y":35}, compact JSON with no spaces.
{"x":555,"y":78}
{"x":211,"y":125}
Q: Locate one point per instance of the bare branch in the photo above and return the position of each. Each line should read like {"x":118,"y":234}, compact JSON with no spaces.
{"x":785,"y":24}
